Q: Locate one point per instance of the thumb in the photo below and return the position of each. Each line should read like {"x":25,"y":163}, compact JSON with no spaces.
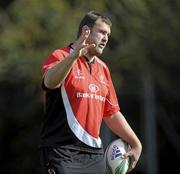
{"x":127,"y":154}
{"x":91,"y":46}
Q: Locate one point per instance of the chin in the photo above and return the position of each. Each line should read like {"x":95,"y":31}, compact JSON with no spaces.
{"x":95,"y":52}
{"x":99,"y":51}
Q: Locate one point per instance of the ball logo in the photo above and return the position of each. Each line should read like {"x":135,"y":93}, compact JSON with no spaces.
{"x":116,"y":152}
{"x":93,"y":88}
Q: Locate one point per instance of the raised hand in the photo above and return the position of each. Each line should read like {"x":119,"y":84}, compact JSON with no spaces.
{"x":81,"y":46}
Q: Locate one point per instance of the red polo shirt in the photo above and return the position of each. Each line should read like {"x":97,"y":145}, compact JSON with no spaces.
{"x":87,"y":95}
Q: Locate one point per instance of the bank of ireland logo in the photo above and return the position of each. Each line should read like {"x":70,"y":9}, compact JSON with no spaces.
{"x":93,"y":88}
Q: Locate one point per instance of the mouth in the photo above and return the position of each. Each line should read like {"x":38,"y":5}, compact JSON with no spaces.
{"x":101,"y":45}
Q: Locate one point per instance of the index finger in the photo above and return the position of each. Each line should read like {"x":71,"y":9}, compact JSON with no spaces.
{"x":132,"y":163}
{"x":85,"y":34}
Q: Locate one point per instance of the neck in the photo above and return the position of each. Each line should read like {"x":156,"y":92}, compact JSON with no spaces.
{"x":89,"y":57}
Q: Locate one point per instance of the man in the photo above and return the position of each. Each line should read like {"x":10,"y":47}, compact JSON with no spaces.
{"x":79,"y":94}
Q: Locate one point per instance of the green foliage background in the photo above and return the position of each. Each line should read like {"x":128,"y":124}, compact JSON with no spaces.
{"x":145,"y":37}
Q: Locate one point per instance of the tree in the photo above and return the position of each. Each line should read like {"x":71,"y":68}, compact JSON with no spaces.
{"x":145,"y":36}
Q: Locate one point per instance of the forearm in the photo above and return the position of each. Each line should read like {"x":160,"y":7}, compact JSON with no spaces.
{"x":120,"y":127}
{"x":55,"y":75}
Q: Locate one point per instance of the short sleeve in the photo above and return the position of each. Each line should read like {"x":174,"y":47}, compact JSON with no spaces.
{"x":52,"y":60}
{"x":111,"y":103}
{"x":56,"y":57}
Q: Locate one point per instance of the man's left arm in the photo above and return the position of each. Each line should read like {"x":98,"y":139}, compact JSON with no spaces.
{"x":118,"y":124}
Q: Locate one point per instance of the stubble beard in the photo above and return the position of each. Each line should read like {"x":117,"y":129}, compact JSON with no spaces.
{"x":95,"y":51}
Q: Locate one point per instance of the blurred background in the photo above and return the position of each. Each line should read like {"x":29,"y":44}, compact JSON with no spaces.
{"x":143,"y":55}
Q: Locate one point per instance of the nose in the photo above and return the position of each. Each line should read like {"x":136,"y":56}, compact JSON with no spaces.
{"x":105,"y":38}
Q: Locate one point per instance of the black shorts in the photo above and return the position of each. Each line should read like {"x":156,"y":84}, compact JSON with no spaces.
{"x":69,"y":161}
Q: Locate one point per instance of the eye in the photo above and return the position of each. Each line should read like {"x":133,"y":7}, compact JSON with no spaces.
{"x":104,"y":32}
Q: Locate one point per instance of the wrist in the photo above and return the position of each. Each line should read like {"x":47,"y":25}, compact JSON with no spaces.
{"x":137,"y":146}
{"x":74,"y":55}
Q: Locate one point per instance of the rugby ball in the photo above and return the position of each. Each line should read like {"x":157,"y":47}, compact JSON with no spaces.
{"x":113,"y":157}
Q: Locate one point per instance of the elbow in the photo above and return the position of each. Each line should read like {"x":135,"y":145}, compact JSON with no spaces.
{"x":48,"y":83}
{"x":139,"y":145}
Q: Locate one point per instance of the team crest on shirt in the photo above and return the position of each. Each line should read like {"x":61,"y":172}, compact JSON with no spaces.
{"x":102,"y":79}
{"x":93,"y":88}
{"x":78,"y":74}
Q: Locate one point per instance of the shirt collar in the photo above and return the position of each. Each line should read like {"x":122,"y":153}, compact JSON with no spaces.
{"x":89,"y":61}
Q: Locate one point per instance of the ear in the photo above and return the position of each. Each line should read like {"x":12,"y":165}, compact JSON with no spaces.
{"x":85,"y":28}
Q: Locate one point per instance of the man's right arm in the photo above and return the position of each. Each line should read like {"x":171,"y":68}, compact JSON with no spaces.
{"x":56,"y":75}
